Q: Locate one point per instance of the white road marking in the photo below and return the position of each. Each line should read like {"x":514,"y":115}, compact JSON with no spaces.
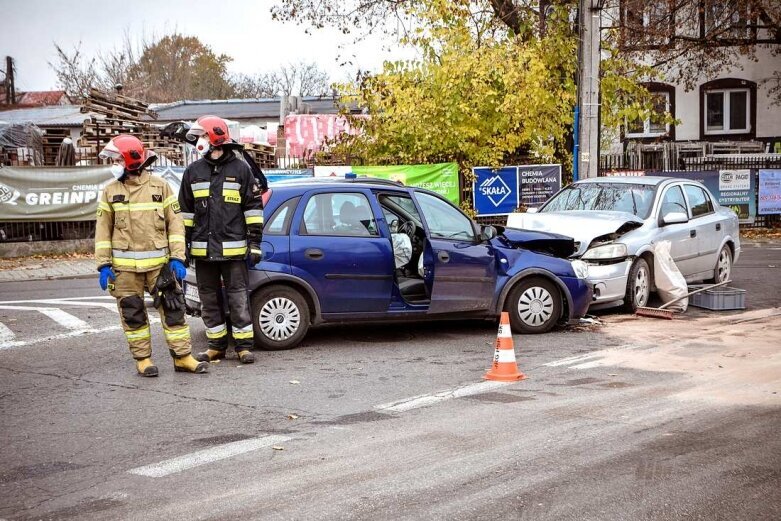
{"x":65,"y":319}
{"x":64,"y":299}
{"x":570,"y":360}
{"x":587,"y":365}
{"x":6,"y":335}
{"x":23,"y":343}
{"x":7,"y":343}
{"x":202,"y":457}
{"x":105,"y":305}
{"x":430,"y":399}
{"x":587,"y":359}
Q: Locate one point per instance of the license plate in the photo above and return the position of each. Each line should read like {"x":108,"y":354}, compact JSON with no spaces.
{"x":191,"y":292}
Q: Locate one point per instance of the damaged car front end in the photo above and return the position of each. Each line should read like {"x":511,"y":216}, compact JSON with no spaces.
{"x":615,"y":222}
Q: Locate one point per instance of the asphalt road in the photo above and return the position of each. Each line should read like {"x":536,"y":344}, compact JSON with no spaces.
{"x":374,"y":423}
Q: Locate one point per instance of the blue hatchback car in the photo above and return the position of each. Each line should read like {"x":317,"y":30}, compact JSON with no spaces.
{"x":340,"y":251}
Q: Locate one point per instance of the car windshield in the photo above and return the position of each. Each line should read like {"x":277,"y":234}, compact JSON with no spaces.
{"x":636,"y":199}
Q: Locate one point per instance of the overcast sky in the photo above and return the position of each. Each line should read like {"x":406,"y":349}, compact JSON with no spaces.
{"x":243,"y":30}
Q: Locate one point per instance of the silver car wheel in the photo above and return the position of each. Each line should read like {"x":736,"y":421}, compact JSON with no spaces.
{"x":641,"y":287}
{"x":279,"y":318}
{"x":535,"y":307}
{"x":724,"y":265}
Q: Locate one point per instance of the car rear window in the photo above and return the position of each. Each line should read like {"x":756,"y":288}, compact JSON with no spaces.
{"x":279,"y":222}
{"x":699,"y":201}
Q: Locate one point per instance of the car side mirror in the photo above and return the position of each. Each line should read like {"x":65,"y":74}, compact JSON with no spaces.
{"x":532,"y":210}
{"x":675,"y":218}
{"x":487,"y":233}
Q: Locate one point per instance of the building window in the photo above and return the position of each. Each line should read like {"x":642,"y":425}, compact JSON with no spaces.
{"x":728,"y":107}
{"x":726,"y":19}
{"x":654,"y":126}
{"x":726,"y":111}
{"x":647,"y":24}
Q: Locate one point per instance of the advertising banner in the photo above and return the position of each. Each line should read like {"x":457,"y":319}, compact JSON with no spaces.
{"x":51,"y":194}
{"x":495,"y":191}
{"x":769,"y":192}
{"x":332,"y":170}
{"x":733,"y":189}
{"x":71,"y":193}
{"x":441,"y":178}
{"x":538,"y":183}
{"x":280,"y":174}
{"x":306,"y":133}
{"x":500,"y":191}
{"x":173,"y":174}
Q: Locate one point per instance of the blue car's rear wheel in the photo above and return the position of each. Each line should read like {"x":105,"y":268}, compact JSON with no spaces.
{"x":534,"y":305}
{"x":280,"y":317}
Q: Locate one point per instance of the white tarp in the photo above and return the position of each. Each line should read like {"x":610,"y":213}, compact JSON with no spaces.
{"x":670,"y":282}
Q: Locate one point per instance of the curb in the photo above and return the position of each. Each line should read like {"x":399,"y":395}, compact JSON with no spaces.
{"x":48,"y":273}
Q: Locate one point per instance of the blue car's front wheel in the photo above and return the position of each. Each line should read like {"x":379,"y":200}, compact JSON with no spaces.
{"x":534,"y":305}
{"x":280,"y":317}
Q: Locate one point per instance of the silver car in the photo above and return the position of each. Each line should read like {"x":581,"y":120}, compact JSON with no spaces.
{"x":616,"y":220}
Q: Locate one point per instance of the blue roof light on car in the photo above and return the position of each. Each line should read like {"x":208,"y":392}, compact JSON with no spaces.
{"x":350,"y":175}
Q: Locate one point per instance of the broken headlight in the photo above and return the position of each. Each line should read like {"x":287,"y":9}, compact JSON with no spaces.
{"x":580,"y":268}
{"x":606,"y":252}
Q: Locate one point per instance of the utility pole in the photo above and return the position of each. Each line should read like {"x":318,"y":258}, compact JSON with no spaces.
{"x":587,"y":110}
{"x":10,"y":88}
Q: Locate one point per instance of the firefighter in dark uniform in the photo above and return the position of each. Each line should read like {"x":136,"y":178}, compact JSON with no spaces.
{"x":138,"y":234}
{"x":223,"y":217}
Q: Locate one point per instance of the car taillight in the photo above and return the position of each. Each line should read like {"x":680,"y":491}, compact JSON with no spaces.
{"x":266,"y":196}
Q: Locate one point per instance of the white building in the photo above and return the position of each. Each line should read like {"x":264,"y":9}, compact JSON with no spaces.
{"x":729,"y":110}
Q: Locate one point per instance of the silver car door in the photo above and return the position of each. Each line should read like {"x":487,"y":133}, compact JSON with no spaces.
{"x":683,"y":246}
{"x":704,"y":219}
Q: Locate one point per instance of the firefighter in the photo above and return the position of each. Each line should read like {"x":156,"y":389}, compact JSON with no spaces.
{"x":138,"y":234}
{"x":223,"y":217}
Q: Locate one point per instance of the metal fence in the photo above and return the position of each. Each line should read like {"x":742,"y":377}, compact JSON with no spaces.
{"x":27,"y":231}
{"x":52,"y":231}
{"x":46,"y":231}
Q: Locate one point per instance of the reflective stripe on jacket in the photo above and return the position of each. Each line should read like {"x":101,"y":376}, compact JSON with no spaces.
{"x":138,"y":224}
{"x":221,"y":207}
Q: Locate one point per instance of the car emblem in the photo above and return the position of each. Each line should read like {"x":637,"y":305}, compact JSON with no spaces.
{"x":495,"y":189}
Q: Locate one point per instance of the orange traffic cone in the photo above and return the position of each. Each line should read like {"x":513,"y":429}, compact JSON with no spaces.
{"x":504,"y":368}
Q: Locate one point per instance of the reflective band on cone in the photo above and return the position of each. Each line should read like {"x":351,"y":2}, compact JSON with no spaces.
{"x":504,"y":368}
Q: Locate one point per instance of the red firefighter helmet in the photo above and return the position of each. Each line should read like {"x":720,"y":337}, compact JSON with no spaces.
{"x":128,"y":149}
{"x":215,"y":128}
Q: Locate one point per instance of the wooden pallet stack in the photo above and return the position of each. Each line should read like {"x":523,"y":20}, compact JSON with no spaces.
{"x":262,"y":154}
{"x":51,"y":141}
{"x":116,"y":106}
{"x":119,"y":114}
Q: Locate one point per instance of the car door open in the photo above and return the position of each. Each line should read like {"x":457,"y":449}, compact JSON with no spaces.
{"x":464,"y":268}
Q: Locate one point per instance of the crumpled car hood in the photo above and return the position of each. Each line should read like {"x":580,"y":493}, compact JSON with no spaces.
{"x":540,"y":242}
{"x":584,"y":225}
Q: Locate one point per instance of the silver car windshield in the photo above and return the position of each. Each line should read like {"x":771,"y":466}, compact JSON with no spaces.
{"x":636,"y":199}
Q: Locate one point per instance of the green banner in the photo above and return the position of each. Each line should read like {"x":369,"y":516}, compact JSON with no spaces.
{"x":51,"y":194}
{"x":441,"y":178}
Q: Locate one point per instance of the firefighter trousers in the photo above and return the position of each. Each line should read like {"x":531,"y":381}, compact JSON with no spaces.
{"x":128,"y":289}
{"x":234,"y":276}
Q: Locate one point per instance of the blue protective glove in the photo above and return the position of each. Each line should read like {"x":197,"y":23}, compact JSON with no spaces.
{"x":180,"y":272}
{"x":106,"y":273}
